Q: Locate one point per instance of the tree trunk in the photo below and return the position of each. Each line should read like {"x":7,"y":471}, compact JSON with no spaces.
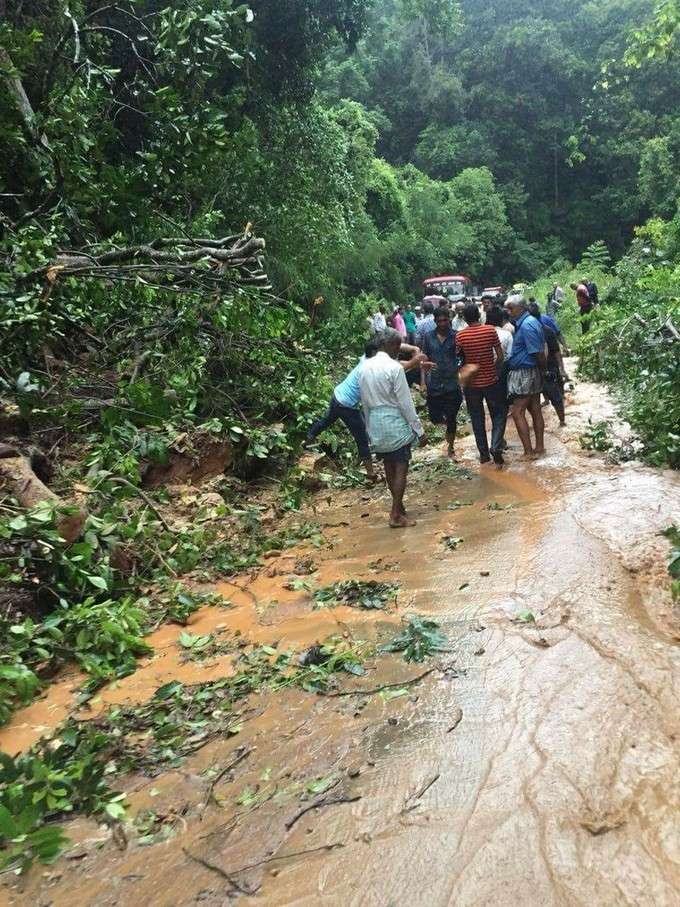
{"x":17,"y":476}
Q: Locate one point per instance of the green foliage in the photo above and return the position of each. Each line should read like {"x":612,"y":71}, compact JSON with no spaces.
{"x":420,"y":639}
{"x":366,"y":594}
{"x":658,"y":38}
{"x":596,"y":437}
{"x":631,"y":346}
{"x":596,"y":258}
{"x":64,"y":775}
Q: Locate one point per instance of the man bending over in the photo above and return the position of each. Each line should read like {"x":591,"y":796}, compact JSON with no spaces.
{"x":391,"y":419}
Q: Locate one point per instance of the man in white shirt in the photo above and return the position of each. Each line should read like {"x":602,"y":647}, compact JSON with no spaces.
{"x":458,"y":323}
{"x":379,"y":320}
{"x":391,"y":419}
{"x":555,"y":300}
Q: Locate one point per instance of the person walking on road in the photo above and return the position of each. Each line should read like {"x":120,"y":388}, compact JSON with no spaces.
{"x":554,"y":375}
{"x":458,"y":323}
{"x":480,"y":349}
{"x":391,"y":419}
{"x":410,"y":322}
{"x":497,"y":318}
{"x":584,"y":304}
{"x":548,"y":321}
{"x":439,"y":377}
{"x":525,"y":368}
{"x":426,"y":324}
{"x":555,"y":300}
{"x":593,"y":291}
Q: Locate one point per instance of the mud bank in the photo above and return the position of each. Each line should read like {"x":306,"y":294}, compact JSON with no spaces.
{"x":536,"y":762}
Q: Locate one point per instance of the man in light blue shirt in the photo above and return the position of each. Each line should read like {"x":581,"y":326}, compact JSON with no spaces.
{"x":525,"y":376}
{"x":344,"y":405}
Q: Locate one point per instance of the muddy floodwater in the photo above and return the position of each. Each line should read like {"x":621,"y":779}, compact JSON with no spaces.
{"x":535,"y":763}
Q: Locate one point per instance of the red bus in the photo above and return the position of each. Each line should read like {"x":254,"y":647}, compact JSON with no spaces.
{"x":456,"y":285}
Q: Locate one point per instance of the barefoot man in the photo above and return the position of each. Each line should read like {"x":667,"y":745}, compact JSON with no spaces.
{"x":525,"y":369}
{"x":391,"y":419}
{"x":440,"y":382}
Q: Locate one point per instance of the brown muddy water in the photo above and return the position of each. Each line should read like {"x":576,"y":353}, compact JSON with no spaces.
{"x":536,"y":763}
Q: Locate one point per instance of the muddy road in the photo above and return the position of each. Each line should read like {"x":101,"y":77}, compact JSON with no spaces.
{"x":534,"y":763}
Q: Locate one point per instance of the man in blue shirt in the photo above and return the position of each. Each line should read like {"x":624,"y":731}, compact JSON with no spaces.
{"x":525,"y":376}
{"x":444,"y":396}
{"x":548,"y":321}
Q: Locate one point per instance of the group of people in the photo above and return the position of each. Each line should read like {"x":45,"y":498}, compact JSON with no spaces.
{"x":404,"y":319}
{"x":501,"y":356}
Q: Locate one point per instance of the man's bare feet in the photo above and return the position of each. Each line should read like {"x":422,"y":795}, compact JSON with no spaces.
{"x":401,"y":522}
{"x":526,"y":457}
{"x":539,"y":452}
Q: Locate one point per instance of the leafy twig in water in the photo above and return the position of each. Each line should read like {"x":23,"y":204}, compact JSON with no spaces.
{"x":367,"y":594}
{"x":419,"y":639}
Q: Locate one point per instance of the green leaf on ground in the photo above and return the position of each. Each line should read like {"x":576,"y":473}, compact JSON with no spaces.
{"x":419,"y":639}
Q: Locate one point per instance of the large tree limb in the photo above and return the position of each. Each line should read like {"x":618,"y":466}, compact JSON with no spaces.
{"x":183,"y":263}
{"x":20,"y":98}
{"x":17,"y":476}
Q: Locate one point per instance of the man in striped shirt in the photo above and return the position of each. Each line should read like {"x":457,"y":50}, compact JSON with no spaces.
{"x":480,"y":349}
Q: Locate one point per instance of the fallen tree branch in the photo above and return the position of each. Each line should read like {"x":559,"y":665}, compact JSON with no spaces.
{"x":383,"y":686}
{"x":18,"y":94}
{"x":287,"y":856}
{"x":119,"y":480}
{"x":243,"y":754}
{"x":419,"y":794}
{"x":17,"y":475}
{"x":179,"y":263}
{"x":218,"y":869}
{"x":140,"y":365}
{"x":317,"y":805}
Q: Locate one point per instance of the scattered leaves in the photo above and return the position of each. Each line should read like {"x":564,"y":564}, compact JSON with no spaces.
{"x":366,"y":594}
{"x":419,"y":639}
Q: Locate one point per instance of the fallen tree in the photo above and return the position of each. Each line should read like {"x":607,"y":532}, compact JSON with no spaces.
{"x":182,"y":264}
{"x":18,"y":477}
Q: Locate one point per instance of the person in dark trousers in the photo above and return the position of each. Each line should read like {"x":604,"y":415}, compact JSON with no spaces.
{"x":480,"y":349}
{"x":344,"y":405}
{"x":439,"y":380}
{"x":554,"y":374}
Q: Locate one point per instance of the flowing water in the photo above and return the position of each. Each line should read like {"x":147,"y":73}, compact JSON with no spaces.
{"x":536,"y":763}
